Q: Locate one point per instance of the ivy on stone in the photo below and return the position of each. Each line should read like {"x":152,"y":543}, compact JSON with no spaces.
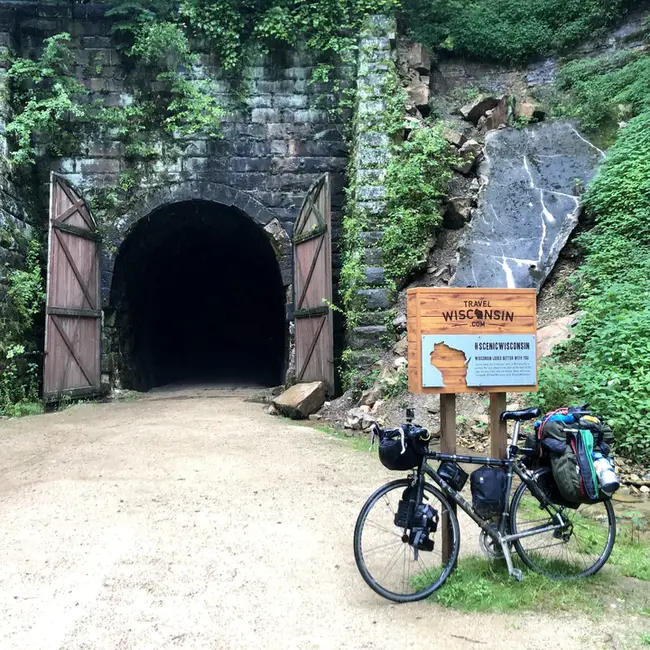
{"x":416,"y":183}
{"x":51,"y":112}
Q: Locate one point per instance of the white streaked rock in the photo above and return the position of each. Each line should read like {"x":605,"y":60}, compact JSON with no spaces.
{"x":528,"y":205}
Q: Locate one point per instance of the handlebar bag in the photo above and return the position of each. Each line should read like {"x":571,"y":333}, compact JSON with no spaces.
{"x":396,"y":451}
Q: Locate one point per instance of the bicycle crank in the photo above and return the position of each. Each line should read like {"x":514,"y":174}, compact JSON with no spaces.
{"x":490,"y":547}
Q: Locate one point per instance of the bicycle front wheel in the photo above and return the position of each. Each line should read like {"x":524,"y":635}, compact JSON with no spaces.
{"x":388,"y":563}
{"x":577,"y":550}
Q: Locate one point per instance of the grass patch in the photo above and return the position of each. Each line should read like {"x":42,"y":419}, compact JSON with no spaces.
{"x":479,"y":585}
{"x":22,"y":409}
{"x":358,"y":443}
{"x":632,"y":559}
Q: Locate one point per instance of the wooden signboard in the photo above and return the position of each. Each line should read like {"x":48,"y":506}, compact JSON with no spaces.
{"x":472,"y":340}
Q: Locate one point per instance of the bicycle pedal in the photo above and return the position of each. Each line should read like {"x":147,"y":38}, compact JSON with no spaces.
{"x":517,"y":575}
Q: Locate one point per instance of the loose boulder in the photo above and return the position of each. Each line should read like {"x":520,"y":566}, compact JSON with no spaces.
{"x":301,"y":400}
{"x":370,"y":396}
{"x":474,"y":110}
{"x":528,"y":109}
{"x":528,"y":205}
{"x":496,"y":117}
{"x":415,"y":56}
{"x":469,"y":153}
{"x":454,"y":137}
{"x":557,"y":332}
{"x":418,"y":94}
{"x":401,"y":347}
{"x":359,"y":419}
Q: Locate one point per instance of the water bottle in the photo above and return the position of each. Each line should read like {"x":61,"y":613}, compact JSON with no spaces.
{"x":607,"y":478}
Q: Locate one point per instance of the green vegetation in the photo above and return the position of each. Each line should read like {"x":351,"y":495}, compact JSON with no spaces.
{"x":326,"y":27}
{"x":604,"y":91}
{"x":50,"y":106}
{"x":416,"y":182}
{"x":53,"y":112}
{"x":481,"y":585}
{"x":632,"y":559}
{"x":509,"y":31}
{"x":357,"y":440}
{"x":608,"y":361}
{"x":478,"y":585}
{"x":21,"y":304}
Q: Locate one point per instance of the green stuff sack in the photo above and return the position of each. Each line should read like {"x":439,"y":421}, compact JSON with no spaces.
{"x":574,"y":474}
{"x":567,"y":476}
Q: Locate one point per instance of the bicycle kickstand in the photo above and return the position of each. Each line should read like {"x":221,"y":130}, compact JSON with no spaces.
{"x":515,"y":573}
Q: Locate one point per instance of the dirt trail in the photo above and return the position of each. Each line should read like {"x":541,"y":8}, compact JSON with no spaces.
{"x":205,"y":523}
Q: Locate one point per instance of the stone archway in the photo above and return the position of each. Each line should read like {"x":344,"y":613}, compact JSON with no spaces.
{"x":198,"y":291}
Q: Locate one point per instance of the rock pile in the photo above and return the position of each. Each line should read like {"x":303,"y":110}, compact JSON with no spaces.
{"x":634,"y":476}
{"x":414,"y":65}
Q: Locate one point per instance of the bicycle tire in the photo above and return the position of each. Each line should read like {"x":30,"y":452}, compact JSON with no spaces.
{"x":564,"y":562}
{"x":441,"y":573}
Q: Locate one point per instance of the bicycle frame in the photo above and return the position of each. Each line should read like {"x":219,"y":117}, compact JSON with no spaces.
{"x":500,"y":532}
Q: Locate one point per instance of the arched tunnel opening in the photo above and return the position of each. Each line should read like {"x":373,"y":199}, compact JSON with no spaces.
{"x":199,"y":298}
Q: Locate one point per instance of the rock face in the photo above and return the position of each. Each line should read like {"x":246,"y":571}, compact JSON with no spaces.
{"x":301,"y":400}
{"x":527,"y":207}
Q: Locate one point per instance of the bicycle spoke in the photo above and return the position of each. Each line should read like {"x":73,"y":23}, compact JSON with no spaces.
{"x":382,"y":547}
{"x":393,"y":562}
{"x":384,"y":528}
{"x":388,"y":503}
{"x":391,"y":566}
{"x":575,"y":550}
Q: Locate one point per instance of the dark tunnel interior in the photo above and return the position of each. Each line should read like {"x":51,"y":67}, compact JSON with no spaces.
{"x":199,"y":298}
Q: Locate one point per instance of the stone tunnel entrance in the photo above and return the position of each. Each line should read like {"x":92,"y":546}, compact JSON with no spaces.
{"x":198,"y":297}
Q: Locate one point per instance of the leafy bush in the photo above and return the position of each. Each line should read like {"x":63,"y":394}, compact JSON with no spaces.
{"x":328,"y":27}
{"x":22,"y":302}
{"x":600,"y":92}
{"x":609,"y":358}
{"x":511,"y":31}
{"x":416,"y":182}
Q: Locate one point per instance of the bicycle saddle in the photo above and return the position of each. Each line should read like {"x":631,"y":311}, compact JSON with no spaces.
{"x":526,"y":414}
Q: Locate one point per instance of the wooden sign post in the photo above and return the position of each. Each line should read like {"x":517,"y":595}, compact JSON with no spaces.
{"x":471,"y":341}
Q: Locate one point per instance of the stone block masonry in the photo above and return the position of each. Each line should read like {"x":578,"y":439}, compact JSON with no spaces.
{"x":278,"y":140}
{"x":376,"y":83}
{"x":285,"y":134}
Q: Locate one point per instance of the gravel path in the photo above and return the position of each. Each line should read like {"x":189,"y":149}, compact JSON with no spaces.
{"x":205,"y":523}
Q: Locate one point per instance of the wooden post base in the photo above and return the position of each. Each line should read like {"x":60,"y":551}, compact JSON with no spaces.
{"x":498,"y":428}
{"x":447,"y":446}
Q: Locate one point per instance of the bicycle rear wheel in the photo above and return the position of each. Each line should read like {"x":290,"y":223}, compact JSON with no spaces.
{"x":388,"y":563}
{"x":576,"y":551}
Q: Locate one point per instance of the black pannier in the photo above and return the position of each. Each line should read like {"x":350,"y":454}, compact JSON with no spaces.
{"x":396,"y":451}
{"x":488,"y":491}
